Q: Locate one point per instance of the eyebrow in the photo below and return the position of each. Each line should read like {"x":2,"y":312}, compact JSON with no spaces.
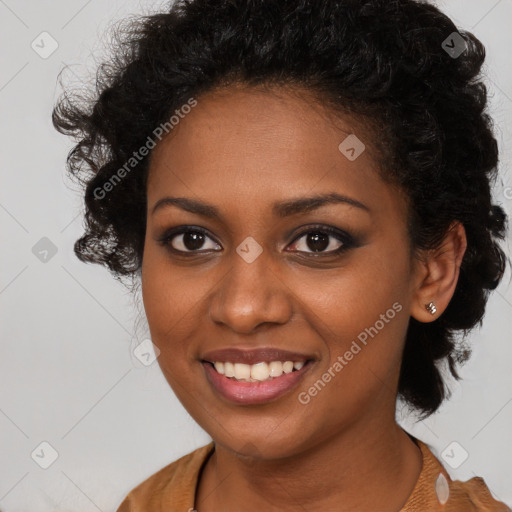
{"x":279,"y":209}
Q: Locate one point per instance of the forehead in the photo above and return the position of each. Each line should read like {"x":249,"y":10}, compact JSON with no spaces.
{"x":239,"y":144}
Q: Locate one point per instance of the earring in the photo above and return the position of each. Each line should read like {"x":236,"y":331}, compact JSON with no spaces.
{"x":431,"y":308}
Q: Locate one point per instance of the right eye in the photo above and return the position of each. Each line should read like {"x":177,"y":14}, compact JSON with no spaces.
{"x":186,"y":240}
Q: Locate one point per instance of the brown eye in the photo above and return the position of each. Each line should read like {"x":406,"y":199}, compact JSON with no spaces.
{"x":318,"y":242}
{"x":188,"y":240}
{"x":322,"y":240}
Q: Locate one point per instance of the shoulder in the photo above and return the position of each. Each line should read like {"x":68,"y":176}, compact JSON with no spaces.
{"x":435,"y":490}
{"x":476,"y":494}
{"x":174,"y":485}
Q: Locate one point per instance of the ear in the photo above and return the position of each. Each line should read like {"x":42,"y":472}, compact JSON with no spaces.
{"x":437,"y":273}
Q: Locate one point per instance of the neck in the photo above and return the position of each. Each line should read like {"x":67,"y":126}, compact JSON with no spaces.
{"x":366,"y":467}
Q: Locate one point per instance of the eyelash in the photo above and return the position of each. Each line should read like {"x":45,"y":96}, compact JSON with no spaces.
{"x":347,"y":240}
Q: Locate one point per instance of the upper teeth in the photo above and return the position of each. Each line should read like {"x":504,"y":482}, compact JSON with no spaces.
{"x":259,"y":371}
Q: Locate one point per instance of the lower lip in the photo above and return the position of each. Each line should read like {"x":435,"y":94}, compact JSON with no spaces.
{"x":254,"y":392}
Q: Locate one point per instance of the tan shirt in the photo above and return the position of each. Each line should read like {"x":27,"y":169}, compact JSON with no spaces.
{"x":173,"y":488}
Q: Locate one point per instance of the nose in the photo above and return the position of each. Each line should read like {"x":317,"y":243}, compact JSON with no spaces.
{"x":249,"y":295}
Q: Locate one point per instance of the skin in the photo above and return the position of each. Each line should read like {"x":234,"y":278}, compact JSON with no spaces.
{"x":242,"y":150}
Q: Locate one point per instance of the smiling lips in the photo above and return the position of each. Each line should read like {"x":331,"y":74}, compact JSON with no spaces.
{"x":254,"y":376}
{"x":256,"y":372}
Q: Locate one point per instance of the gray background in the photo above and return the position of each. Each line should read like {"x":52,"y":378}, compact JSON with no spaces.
{"x":68,"y":376}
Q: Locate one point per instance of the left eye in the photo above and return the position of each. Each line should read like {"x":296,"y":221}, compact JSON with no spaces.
{"x":319,"y":241}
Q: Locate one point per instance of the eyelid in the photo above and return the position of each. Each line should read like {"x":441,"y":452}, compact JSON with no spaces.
{"x":324,"y":228}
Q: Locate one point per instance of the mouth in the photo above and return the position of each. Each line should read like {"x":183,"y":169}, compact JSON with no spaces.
{"x":259,"y":372}
{"x":256,"y":383}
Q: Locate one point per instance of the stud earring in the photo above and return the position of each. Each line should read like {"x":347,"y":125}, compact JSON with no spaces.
{"x":431,"y":308}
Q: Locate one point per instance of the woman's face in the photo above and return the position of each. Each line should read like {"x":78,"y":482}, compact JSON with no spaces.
{"x":255,"y":279}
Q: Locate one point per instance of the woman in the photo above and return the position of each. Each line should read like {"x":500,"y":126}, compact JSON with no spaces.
{"x":303,"y":190}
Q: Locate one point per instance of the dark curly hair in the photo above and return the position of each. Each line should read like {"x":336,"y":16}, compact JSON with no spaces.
{"x":386,"y":61}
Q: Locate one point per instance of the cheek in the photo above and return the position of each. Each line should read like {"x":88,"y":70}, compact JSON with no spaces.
{"x":343,"y":302}
{"x":167,"y":300}
{"x":175,"y":304}
{"x":364,"y":351}
{"x":361,"y":315}
{"x":169,"y":307}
